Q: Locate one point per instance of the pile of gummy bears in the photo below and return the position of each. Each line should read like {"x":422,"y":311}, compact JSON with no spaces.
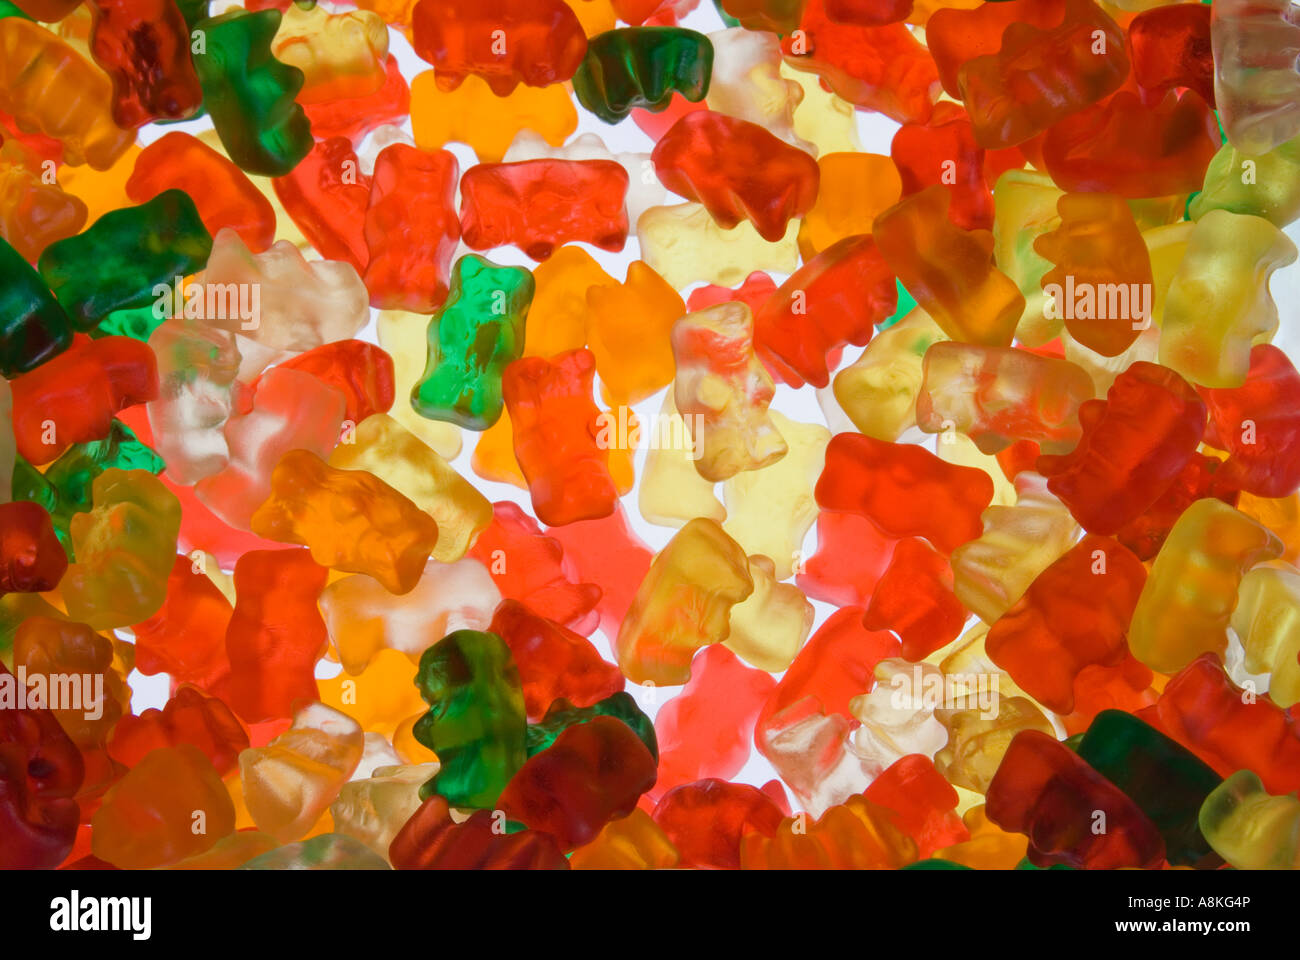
{"x":324,"y":419}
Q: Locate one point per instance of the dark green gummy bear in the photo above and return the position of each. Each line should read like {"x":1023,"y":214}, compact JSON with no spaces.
{"x":1165,"y":779}
{"x":642,"y":67}
{"x":250,"y":94}
{"x":33,"y":327}
{"x":561,"y":715}
{"x":117,"y":263}
{"x":476,"y":721}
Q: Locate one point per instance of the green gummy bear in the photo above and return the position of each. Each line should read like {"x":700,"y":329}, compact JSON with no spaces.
{"x":561,"y":715}
{"x":65,"y":487}
{"x":193,"y":11}
{"x":642,"y":67}
{"x":1266,"y":186}
{"x":906,"y":304}
{"x":474,"y":336}
{"x":1165,"y":779}
{"x":33,"y":327}
{"x":30,"y":484}
{"x":8,"y":9}
{"x":250,"y":94}
{"x":476,"y":722}
{"x":138,"y":323}
{"x":117,"y":263}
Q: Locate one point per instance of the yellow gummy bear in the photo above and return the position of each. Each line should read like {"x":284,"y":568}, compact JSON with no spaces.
{"x":1249,"y":827}
{"x":1019,"y":542}
{"x":953,"y":447}
{"x":125,"y":548}
{"x":826,"y":120}
{"x":1267,"y":620}
{"x":1218,"y":304}
{"x":770,"y":510}
{"x":684,"y":244}
{"x":683,"y":603}
{"x":672,"y":490}
{"x":977,"y":739}
{"x":340,"y":54}
{"x":374,"y":809}
{"x":878,"y":390}
{"x":1024,"y":208}
{"x":1188,"y":598}
{"x":770,"y":626}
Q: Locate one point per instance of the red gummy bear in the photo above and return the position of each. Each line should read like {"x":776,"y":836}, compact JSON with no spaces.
{"x":326,"y":195}
{"x":506,"y":42}
{"x":553,"y":661}
{"x":593,"y":773}
{"x":40,"y":773}
{"x":431,"y":840}
{"x":738,"y":170}
{"x":1258,"y":423}
{"x":276,"y":633}
{"x":31,"y":558}
{"x":834,"y":299}
{"x":526,"y":565}
{"x":555,"y":422}
{"x":540,"y":205}
{"x":1043,"y":790}
{"x":905,"y":490}
{"x":1135,"y":444}
{"x":73,"y":397}
{"x":411,"y":228}
{"x":915,"y":599}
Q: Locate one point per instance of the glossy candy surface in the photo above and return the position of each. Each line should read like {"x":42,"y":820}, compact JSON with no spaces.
{"x":650,"y":434}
